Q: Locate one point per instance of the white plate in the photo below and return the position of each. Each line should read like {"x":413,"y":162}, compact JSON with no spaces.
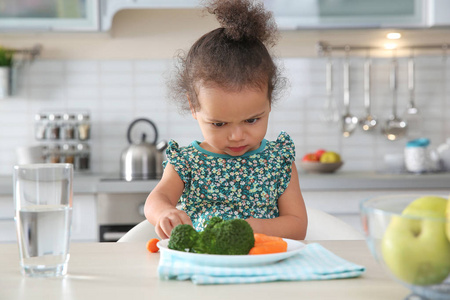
{"x":294,"y":247}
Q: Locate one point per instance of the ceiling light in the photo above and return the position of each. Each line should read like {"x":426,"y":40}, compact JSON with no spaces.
{"x":393,"y":35}
{"x":390,"y":46}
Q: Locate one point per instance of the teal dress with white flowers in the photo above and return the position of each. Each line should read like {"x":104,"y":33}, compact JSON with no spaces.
{"x":232,"y":186}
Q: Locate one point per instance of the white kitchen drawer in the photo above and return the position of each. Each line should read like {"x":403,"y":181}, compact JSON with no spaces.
{"x":6,"y":207}
{"x":84,"y":222}
{"x":7,"y":231}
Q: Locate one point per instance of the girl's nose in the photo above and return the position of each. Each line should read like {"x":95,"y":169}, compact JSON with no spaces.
{"x":236,"y":134}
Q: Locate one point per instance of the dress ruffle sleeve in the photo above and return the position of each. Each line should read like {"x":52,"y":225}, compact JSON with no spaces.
{"x":286,"y":150}
{"x":177,"y":159}
{"x":286,"y":146}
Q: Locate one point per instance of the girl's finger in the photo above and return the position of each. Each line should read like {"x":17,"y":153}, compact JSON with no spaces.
{"x":185,"y":219}
{"x":160,"y":233}
{"x":165,"y":226}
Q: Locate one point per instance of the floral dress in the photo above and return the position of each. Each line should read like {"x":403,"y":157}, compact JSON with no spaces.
{"x":232,"y":186}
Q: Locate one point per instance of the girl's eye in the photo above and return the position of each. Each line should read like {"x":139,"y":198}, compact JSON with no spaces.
{"x":251,"y":121}
{"x":218,"y":124}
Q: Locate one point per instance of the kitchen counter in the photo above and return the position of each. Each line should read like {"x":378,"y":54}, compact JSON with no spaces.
{"x":101,"y":183}
{"x":128,"y":271}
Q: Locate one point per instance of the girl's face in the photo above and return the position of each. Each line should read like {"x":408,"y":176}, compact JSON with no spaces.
{"x":232,"y":123}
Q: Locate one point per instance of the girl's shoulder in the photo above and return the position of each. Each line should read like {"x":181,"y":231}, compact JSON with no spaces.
{"x":283,"y":146}
{"x":174,"y":150}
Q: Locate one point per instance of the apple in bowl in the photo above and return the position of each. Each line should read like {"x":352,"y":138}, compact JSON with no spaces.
{"x":321,"y":161}
{"x":408,"y":236}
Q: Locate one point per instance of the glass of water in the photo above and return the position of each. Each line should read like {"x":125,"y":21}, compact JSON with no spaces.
{"x":43,"y":215}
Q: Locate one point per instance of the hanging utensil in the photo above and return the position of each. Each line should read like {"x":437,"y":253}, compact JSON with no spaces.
{"x":330,"y":113}
{"x":395,"y":127}
{"x":412,"y":109}
{"x":412,"y":115}
{"x":349,"y":121}
{"x":369,"y":122}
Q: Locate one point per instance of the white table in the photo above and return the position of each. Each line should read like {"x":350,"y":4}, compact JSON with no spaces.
{"x":127,"y":271}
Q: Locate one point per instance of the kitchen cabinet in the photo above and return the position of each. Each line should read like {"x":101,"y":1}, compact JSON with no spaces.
{"x":344,"y":204}
{"x":7,"y":226}
{"x":317,"y":14}
{"x":110,"y":7}
{"x":43,"y":15}
{"x":324,"y":14}
{"x":84,"y":219}
{"x":95,"y":15}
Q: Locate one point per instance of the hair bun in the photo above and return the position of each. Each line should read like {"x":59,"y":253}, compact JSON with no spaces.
{"x":244,"y":19}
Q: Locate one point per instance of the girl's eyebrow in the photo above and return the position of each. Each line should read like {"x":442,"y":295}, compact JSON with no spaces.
{"x":252,"y":117}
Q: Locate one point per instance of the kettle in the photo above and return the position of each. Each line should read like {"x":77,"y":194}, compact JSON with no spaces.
{"x":142,"y":160}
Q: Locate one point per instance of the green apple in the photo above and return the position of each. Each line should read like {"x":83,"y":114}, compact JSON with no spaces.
{"x":330,"y":157}
{"x":417,"y":250}
{"x":447,"y":213}
{"x":427,"y":206}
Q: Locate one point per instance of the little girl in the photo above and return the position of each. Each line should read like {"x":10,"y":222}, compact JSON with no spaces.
{"x":227,"y":80}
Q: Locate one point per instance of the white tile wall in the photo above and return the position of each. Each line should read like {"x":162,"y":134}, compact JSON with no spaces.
{"x":117,"y":92}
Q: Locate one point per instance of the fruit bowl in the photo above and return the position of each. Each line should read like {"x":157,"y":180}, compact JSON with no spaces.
{"x":318,"y":167}
{"x":409,"y":236}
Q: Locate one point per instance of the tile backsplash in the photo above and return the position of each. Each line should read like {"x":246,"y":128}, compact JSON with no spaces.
{"x":117,"y":92}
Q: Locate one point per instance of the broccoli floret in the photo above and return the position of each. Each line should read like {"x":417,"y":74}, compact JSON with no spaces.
{"x":212,"y":222}
{"x":231,"y":237}
{"x":183,"y":237}
{"x":207,"y":237}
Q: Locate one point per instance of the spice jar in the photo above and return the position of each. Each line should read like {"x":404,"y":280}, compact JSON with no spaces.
{"x":68,"y":154}
{"x":53,"y":127}
{"x":40,"y":126}
{"x":82,"y":159}
{"x":54,"y":153}
{"x":83,"y":127}
{"x":68,"y":127}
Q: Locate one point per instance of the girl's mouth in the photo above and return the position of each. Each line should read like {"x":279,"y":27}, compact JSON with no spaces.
{"x":237,"y":149}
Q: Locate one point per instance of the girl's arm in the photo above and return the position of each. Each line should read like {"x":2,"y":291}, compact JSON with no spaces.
{"x":293,"y":221}
{"x":160,"y":206}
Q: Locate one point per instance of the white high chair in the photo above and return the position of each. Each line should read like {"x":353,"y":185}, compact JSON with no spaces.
{"x":321,"y":226}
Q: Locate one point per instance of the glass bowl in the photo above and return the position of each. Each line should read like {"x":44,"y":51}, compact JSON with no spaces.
{"x":411,"y":241}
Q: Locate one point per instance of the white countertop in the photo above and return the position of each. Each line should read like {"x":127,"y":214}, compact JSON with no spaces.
{"x":128,"y":271}
{"x":95,"y":183}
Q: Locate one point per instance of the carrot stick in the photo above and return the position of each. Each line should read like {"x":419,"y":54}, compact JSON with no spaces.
{"x":151,"y":245}
{"x":269,"y":247}
{"x":262,"y":238}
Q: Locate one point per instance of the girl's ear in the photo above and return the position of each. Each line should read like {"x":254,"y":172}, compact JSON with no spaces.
{"x":193,"y":113}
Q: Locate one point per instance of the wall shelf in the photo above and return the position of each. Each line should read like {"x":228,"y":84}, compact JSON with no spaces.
{"x":10,"y":75}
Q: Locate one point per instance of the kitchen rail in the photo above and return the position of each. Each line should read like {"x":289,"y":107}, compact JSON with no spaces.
{"x":324,"y":48}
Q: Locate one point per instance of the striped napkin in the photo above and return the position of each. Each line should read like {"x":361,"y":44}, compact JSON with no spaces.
{"x":314,"y":262}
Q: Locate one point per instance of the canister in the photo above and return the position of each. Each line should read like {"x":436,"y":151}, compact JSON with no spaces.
{"x":416,"y":155}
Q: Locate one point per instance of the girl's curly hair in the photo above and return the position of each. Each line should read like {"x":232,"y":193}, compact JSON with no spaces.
{"x":231,"y":57}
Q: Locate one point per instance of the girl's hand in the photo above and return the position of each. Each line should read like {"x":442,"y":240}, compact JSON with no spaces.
{"x":168,"y":220}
